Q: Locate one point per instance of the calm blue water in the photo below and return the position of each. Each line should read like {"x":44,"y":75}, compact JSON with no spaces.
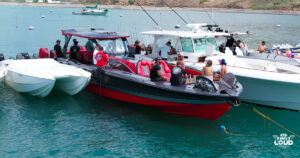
{"x":87,"y":125}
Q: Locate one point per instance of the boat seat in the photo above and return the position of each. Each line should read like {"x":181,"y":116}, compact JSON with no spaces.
{"x":88,"y":57}
{"x":143,"y":68}
{"x":44,"y":53}
{"x":80,"y":53}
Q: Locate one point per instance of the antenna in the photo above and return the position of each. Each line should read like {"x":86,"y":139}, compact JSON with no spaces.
{"x":147,"y":13}
{"x":176,"y":13}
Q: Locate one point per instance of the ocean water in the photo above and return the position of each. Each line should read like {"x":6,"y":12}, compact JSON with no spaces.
{"x":87,"y":125}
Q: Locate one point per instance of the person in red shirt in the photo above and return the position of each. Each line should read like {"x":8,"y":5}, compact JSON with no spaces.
{"x":101,"y":57}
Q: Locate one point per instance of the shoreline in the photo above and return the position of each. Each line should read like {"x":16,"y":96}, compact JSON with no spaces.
{"x":152,"y":8}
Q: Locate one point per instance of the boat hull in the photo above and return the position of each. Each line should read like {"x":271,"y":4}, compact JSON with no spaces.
{"x":270,"y":93}
{"x":27,"y":84}
{"x":176,"y":102}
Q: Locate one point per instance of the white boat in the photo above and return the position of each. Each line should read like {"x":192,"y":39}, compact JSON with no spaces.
{"x":265,"y":82}
{"x":37,"y":77}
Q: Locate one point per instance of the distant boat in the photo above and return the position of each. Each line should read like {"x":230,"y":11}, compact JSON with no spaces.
{"x":92,"y":10}
{"x":121,"y":15}
{"x":177,"y":26}
{"x":277,"y":25}
{"x":43,"y":16}
{"x":31,"y":28}
{"x":51,"y":10}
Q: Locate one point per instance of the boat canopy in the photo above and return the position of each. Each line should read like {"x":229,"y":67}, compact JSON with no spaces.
{"x":94,"y":33}
{"x":191,"y":34}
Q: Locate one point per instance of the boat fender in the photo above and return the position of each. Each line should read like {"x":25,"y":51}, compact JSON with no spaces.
{"x":222,"y":128}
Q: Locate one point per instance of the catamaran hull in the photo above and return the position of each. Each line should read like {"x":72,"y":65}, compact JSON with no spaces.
{"x":270,"y":93}
{"x":27,"y":84}
{"x":200,"y":106}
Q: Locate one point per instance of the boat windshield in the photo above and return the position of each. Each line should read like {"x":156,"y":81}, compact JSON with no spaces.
{"x":187,"y":44}
{"x":202,"y":43}
{"x":114,"y":47}
{"x":117,"y":65}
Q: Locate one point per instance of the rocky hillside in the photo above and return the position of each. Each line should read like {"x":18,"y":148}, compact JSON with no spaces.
{"x":242,"y":4}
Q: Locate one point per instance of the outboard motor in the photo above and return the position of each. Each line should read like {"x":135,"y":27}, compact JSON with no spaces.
{"x":230,"y":80}
{"x":1,"y":57}
{"x":35,"y":56}
{"x":205,"y":84}
{"x":19,"y":56}
{"x":25,"y":55}
{"x":44,"y":53}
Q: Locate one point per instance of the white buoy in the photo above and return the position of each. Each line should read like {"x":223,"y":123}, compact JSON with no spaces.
{"x":31,"y":28}
{"x":43,"y":16}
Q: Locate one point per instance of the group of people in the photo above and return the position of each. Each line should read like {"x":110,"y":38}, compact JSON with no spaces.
{"x":288,"y":53}
{"x":178,"y":73}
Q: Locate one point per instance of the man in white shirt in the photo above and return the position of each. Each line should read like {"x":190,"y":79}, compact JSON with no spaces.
{"x":98,"y":48}
{"x":165,"y":50}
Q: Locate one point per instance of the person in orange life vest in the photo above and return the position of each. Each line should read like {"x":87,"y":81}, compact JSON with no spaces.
{"x":101,"y":57}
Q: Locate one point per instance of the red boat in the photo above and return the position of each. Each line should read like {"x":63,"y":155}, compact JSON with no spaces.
{"x":127,"y":79}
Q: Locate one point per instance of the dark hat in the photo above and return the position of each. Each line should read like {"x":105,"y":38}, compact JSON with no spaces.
{"x":57,"y":41}
{"x":158,"y":58}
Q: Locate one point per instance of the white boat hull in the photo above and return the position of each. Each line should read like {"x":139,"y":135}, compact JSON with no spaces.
{"x":280,"y":90}
{"x":27,"y":84}
{"x":38,"y":77}
{"x":270,"y":93}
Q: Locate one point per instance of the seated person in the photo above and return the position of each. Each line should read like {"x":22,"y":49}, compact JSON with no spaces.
{"x":223,"y":70}
{"x":262,"y":47}
{"x":148,"y":49}
{"x":180,"y":58}
{"x":74,"y":50}
{"x":207,"y":70}
{"x":178,"y":75}
{"x":155,"y":73}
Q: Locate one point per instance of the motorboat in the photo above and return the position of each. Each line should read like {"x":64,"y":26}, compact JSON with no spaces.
{"x":269,"y":55}
{"x":265,"y":82}
{"x":38,"y":77}
{"x":127,"y":79}
{"x":92,"y":10}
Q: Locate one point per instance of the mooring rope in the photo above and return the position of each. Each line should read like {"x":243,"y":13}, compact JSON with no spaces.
{"x":223,"y":128}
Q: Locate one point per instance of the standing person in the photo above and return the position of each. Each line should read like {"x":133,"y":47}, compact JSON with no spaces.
{"x":242,"y":47}
{"x":155,"y":73}
{"x":165,"y":50}
{"x":101,"y":58}
{"x":58,"y":50}
{"x":98,"y":49}
{"x":208,"y":70}
{"x":89,"y":46}
{"x":262,"y":47}
{"x":178,"y":75}
{"x":138,"y":47}
{"x":180,"y":59}
{"x":74,"y":50}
